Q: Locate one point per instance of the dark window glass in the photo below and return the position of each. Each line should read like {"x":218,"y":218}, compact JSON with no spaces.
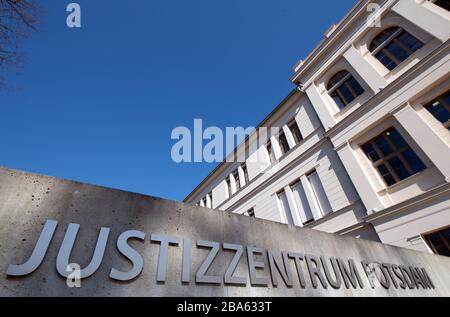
{"x":295,"y":130}
{"x":283,"y":143}
{"x":439,"y":242}
{"x":396,"y":138}
{"x":443,"y":4}
{"x":399,"y":168}
{"x":414,"y":161}
{"x":251,"y":213}
{"x":244,"y":169}
{"x":211,"y":198}
{"x":393,"y":157}
{"x":269,"y":150}
{"x":383,"y":145}
{"x":229,"y":186}
{"x":386,"y":175}
{"x":440,"y":109}
{"x":370,"y":151}
{"x":237,"y":180}
{"x":344,"y":88}
{"x":393,"y":46}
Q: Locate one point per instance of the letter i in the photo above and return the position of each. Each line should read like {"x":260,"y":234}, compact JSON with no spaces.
{"x":186,"y":271}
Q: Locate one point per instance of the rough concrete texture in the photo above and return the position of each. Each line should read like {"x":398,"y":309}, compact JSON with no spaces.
{"x":28,"y":200}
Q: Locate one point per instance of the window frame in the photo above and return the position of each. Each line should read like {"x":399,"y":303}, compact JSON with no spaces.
{"x":425,"y":237}
{"x":442,"y":101}
{"x":284,"y":150}
{"x":393,"y":38}
{"x":434,"y":2}
{"x":245,"y":172}
{"x":229,"y":188}
{"x":269,"y":149}
{"x":396,"y":153}
{"x":250,"y":213}
{"x":334,"y":88}
{"x":237,"y":180}
{"x":293,"y":125}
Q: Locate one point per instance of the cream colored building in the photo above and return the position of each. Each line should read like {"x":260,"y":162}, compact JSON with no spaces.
{"x":363,"y":144}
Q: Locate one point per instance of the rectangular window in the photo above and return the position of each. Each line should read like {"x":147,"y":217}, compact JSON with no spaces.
{"x":284,"y":145}
{"x":237,"y":180}
{"x":230,"y":192}
{"x":210,"y":200}
{"x":439,"y":241}
{"x":250,"y":213}
{"x":269,"y":148}
{"x":295,"y":130}
{"x":442,"y":3}
{"x":302,"y":203}
{"x":319,"y":193}
{"x":392,"y":157}
{"x":285,"y":208}
{"x":244,"y":169}
{"x":440,"y":109}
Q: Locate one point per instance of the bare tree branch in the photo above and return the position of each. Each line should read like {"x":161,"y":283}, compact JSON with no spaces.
{"x":17,"y":19}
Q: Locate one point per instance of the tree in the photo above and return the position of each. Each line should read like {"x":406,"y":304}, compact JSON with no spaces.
{"x":17,"y":19}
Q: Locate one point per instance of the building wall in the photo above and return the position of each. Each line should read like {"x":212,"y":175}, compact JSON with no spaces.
{"x":359,"y":196}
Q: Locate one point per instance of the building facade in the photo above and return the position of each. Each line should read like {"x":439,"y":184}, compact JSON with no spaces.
{"x":361,"y":145}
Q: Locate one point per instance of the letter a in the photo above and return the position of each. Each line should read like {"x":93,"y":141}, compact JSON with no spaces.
{"x":74,"y":18}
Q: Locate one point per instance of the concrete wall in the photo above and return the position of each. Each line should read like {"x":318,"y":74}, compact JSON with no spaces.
{"x":27,"y":201}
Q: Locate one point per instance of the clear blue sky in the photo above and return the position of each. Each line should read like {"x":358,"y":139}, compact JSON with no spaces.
{"x":98,"y":104}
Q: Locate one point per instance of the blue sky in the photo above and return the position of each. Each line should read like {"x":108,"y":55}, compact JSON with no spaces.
{"x":98,"y":104}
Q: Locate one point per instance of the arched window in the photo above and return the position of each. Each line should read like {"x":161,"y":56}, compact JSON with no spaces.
{"x":344,"y":88}
{"x":393,"y":46}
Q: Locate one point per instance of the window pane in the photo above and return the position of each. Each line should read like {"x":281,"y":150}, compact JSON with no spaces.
{"x":355,"y":86}
{"x":399,"y":168}
{"x":397,"y":51}
{"x":410,"y":41}
{"x":319,"y":193}
{"x":336,"y":78}
{"x":337,"y":99}
{"x":439,"y":242}
{"x":296,"y":132}
{"x":396,"y":138}
{"x":386,"y":61}
{"x":285,"y":208}
{"x":414,"y":161}
{"x":392,"y":49}
{"x":383,"y":145}
{"x":443,"y":4}
{"x":438,"y":110}
{"x":395,"y":164}
{"x":302,"y":203}
{"x":284,"y":143}
{"x":371,"y":153}
{"x":380,"y":39}
{"x":238,"y":182}
{"x":389,"y":179}
{"x":346,"y":93}
{"x":244,"y":169}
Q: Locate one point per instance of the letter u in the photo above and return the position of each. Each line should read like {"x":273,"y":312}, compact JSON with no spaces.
{"x":62,"y":260}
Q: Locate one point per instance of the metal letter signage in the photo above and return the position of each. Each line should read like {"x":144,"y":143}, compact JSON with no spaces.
{"x":323,"y":272}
